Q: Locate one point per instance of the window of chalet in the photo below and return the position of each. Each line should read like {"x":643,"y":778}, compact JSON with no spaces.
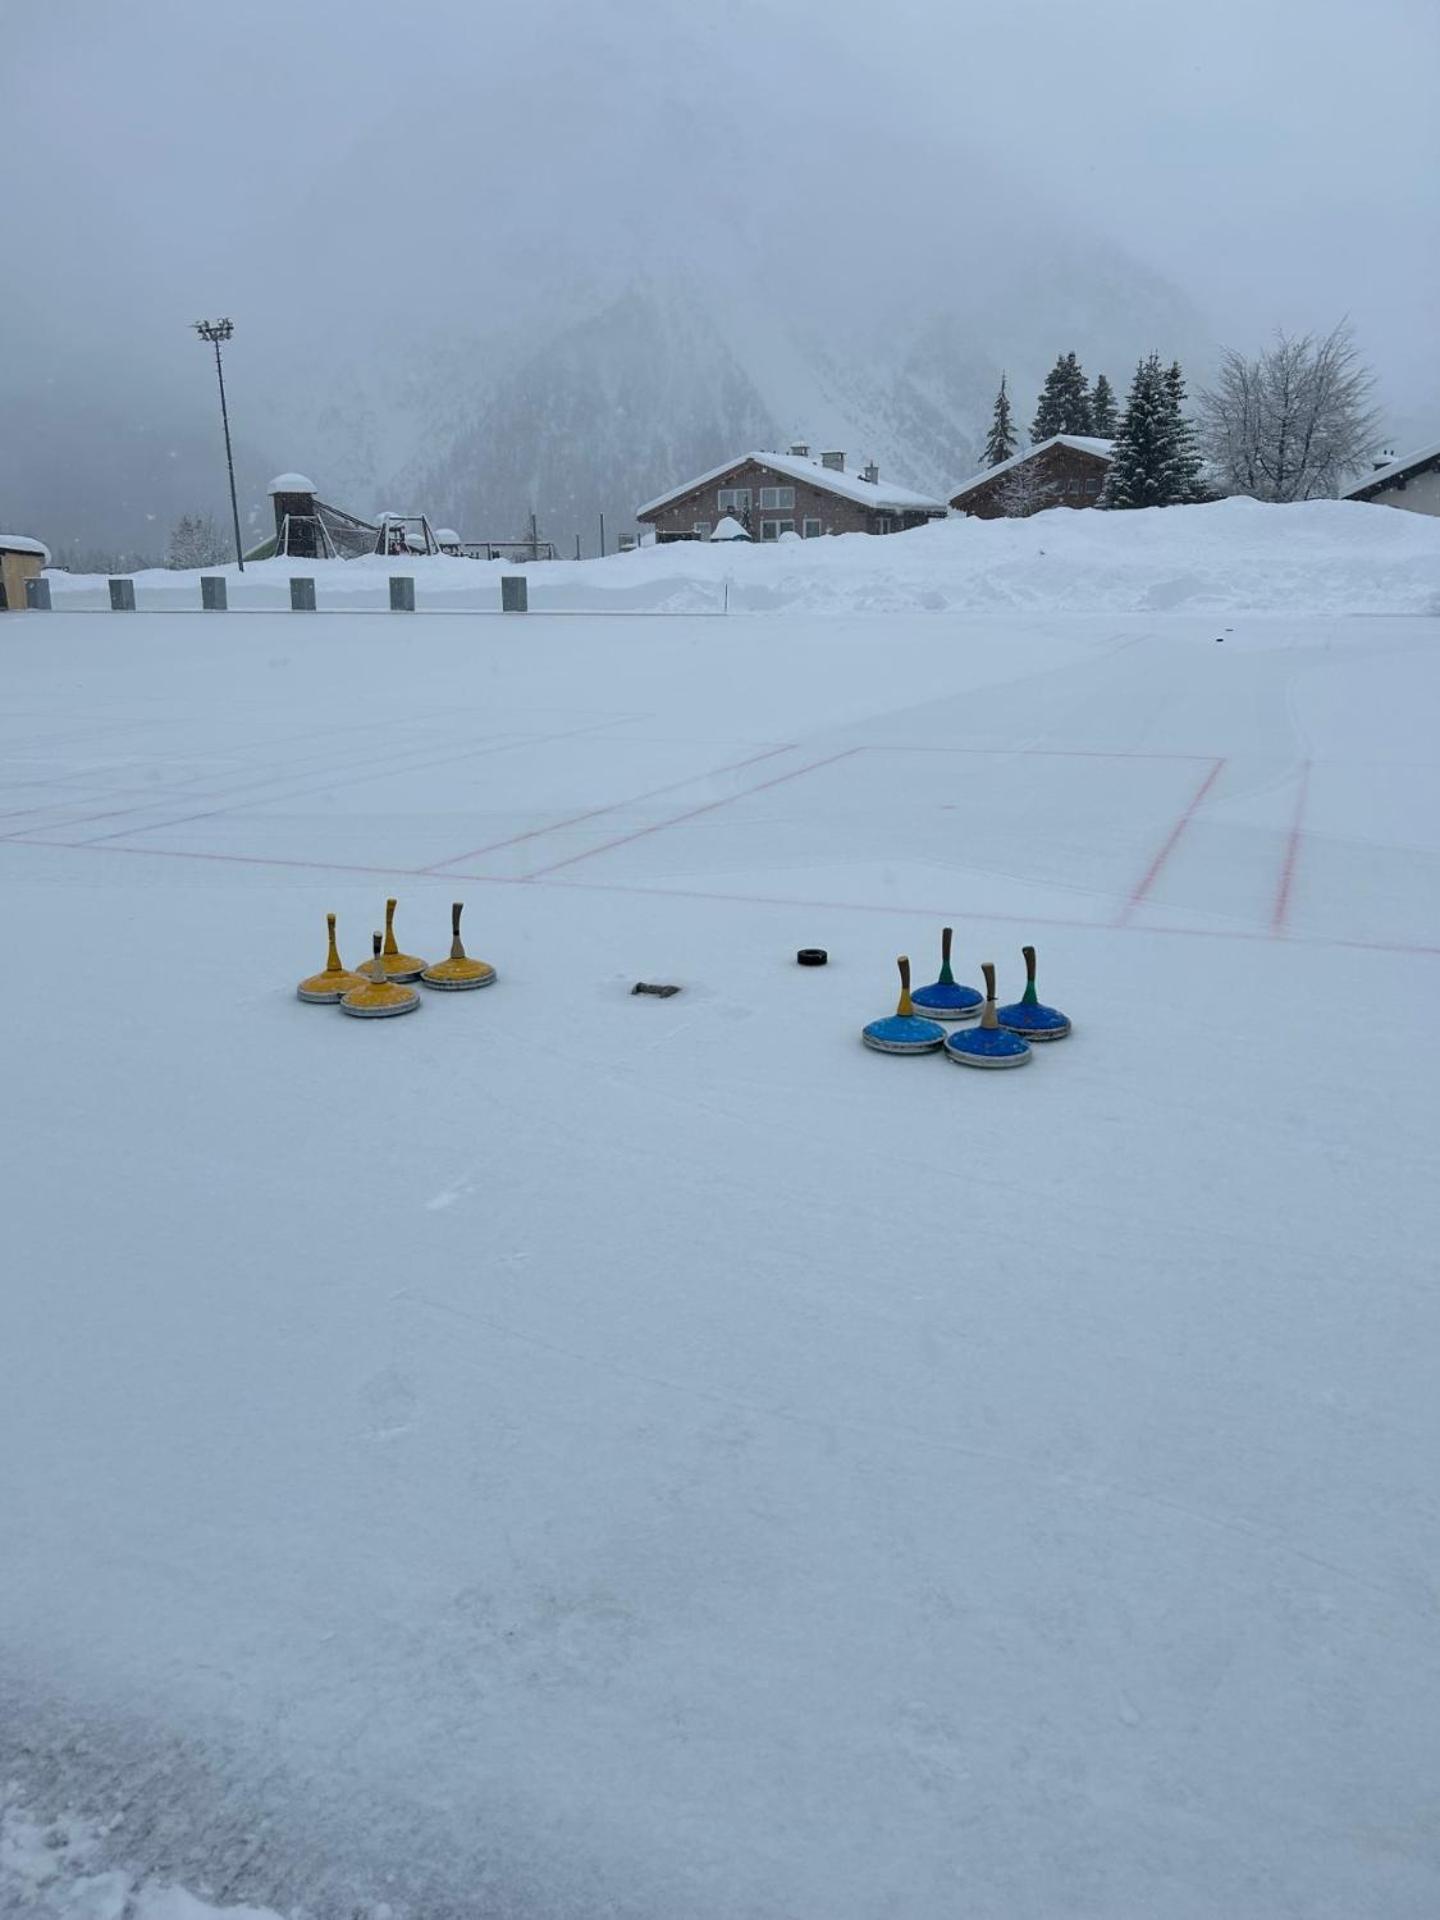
{"x":882,"y":523}
{"x":772,"y":529}
{"x":701,"y":529}
{"x":774,"y":497}
{"x":734,"y":499}
{"x":812,"y":530}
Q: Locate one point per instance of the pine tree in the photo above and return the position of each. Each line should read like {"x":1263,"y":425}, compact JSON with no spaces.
{"x":1050,"y":408}
{"x":1079,"y":409}
{"x":1104,"y":414}
{"x":1150,"y":467}
{"x":1000,"y":442}
{"x":1064,"y":401}
{"x":1186,"y":451}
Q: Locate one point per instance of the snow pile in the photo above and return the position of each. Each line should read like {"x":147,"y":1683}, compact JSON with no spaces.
{"x":50,"y":1871}
{"x":1233,"y":556}
{"x":22,"y":543}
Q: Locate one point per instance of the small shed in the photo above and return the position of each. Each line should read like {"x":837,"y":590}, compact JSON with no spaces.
{"x":294,"y":498}
{"x":729,"y":529}
{"x":21,"y":559}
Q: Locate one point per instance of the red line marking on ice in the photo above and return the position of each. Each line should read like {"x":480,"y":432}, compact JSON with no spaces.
{"x":790,"y":903}
{"x":1286,"y":887}
{"x":351,"y":774}
{"x":912,"y":912}
{"x":1152,"y":872}
{"x":613,"y":806}
{"x":1037,"y":753}
{"x":194,"y":853}
{"x":662,"y":826}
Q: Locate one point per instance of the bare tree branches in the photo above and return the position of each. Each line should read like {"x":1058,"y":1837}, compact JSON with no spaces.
{"x":1293,"y":424}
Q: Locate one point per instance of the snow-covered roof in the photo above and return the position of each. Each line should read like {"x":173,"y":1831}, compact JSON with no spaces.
{"x":729,"y":529}
{"x":1080,"y":442}
{"x":22,"y":543}
{"x":1381,"y":476}
{"x":793,"y":466}
{"x":290,"y":483}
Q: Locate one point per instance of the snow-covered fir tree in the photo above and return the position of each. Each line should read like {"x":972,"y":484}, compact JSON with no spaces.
{"x":184,"y":544}
{"x":1064,"y":401}
{"x":1001,"y":441}
{"x":1186,"y":448}
{"x":1104,"y":409}
{"x":1151,"y":467}
{"x":196,"y":541}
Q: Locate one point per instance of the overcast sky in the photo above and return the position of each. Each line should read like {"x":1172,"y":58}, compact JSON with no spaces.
{"x":1278,"y":160}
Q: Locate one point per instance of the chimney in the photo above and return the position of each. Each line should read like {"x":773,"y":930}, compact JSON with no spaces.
{"x":834,"y":461}
{"x":800,"y":450}
{"x":871,"y":473}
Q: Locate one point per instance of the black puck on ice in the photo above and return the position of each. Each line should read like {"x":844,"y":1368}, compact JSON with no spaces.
{"x":812,"y":956}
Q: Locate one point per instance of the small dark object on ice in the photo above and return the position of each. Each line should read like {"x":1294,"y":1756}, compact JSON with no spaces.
{"x":644,"y":986}
{"x":812,"y":957}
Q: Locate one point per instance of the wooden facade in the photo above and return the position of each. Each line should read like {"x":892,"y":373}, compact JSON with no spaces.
{"x":797,"y":497}
{"x":1061,"y":472}
{"x":18,"y":563}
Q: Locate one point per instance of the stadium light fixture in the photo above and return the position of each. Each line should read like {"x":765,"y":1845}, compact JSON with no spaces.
{"x":216,"y":331}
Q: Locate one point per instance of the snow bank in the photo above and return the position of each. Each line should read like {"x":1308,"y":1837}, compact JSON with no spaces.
{"x":1233,"y":556}
{"x":22,"y":543}
{"x":50,"y":1871}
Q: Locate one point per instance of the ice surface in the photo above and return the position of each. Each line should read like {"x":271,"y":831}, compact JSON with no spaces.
{"x":572,"y":1453}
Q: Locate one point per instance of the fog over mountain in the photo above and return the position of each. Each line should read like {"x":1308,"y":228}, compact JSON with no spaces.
{"x":489,"y":259}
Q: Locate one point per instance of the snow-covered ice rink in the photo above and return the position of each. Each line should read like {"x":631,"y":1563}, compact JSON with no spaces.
{"x":570,"y":1454}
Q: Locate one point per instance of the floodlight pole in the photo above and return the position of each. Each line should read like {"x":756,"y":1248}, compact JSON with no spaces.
{"x":215,"y":331}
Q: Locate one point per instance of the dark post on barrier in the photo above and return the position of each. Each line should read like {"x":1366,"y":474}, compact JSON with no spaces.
{"x":402,"y":593}
{"x":302,"y":594}
{"x":212,"y":592}
{"x":122,"y":596}
{"x":37,"y":595}
{"x":514,"y":593}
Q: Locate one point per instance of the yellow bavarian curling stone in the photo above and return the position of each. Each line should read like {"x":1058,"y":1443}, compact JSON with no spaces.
{"x":377,"y":998}
{"x":459,"y":973}
{"x":324,"y":989}
{"x":398,"y":966}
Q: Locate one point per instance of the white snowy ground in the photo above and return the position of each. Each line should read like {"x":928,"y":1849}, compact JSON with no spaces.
{"x":568,"y":1454}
